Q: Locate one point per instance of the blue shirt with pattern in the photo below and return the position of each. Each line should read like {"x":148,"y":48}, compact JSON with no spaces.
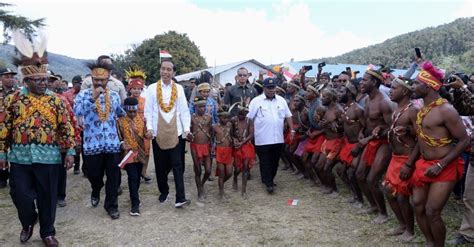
{"x":99,"y":137}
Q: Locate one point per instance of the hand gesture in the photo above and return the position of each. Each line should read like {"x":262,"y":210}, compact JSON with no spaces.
{"x":406,"y":172}
{"x":96,"y":92}
{"x":149,"y":134}
{"x":433,"y":171}
{"x":3,"y":165}
{"x":69,"y":162}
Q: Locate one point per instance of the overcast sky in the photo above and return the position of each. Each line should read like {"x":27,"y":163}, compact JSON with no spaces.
{"x":230,"y":31}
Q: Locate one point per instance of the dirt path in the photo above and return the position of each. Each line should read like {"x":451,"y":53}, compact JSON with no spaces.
{"x":260,"y":220}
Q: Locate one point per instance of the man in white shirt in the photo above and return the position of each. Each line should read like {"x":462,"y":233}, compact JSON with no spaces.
{"x":168,"y":120}
{"x":268,"y":113}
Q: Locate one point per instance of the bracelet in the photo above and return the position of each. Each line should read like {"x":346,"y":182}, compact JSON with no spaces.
{"x":439,"y":165}
{"x":293,"y":131}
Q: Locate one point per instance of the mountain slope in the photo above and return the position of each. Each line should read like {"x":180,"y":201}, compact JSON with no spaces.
{"x":450,"y":46}
{"x":66,"y":66}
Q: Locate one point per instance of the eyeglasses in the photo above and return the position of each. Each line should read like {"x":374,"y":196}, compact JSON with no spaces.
{"x":37,"y":81}
{"x":242,"y":75}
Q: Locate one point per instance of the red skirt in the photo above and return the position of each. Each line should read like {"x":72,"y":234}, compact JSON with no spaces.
{"x":392,"y":177}
{"x":451,"y":172}
{"x":224,"y":155}
{"x":296,"y":138}
{"x":246,"y":151}
{"x":371,"y":150}
{"x":331,"y":148}
{"x":201,"y":150}
{"x":345,"y":155}
{"x":314,"y":145}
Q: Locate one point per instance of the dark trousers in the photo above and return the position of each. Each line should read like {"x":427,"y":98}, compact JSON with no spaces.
{"x":97,"y":165}
{"x":269,"y":156}
{"x":134,"y":170}
{"x":165,"y":161}
{"x":35,"y":182}
{"x":62,"y":178}
{"x":4,"y":175}
{"x":77,"y":157}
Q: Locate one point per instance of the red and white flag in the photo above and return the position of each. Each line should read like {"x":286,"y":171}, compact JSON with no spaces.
{"x":127,"y":159}
{"x":164,"y":54}
{"x":293,"y":202}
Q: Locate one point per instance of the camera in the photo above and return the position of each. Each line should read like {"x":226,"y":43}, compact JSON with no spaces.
{"x":320,"y":65}
{"x":308,"y":67}
{"x":463,"y":77}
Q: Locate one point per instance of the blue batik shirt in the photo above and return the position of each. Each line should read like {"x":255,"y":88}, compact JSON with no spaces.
{"x":99,"y":137}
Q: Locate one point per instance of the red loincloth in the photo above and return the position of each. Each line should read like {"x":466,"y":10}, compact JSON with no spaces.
{"x":392,"y":177}
{"x":345,"y":155}
{"x":331,"y":148}
{"x":201,"y":150}
{"x":224,"y":155}
{"x":451,"y":172}
{"x":314,"y":145}
{"x":371,"y":150}
{"x":246,"y":151}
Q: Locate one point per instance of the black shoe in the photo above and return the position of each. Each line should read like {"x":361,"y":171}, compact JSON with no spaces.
{"x":163,"y":198}
{"x":182,"y":204}
{"x":146,"y":179}
{"x":119,"y":191}
{"x":135,"y":211}
{"x":270,"y":189}
{"x":62,"y":203}
{"x":95,"y":201}
{"x":3,"y":184}
{"x":459,"y":240}
{"x":114,"y":214}
{"x":26,"y":233}
{"x":76,"y":171}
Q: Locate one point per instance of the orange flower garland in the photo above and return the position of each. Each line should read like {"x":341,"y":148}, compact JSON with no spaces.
{"x":103,"y":116}
{"x":174,"y":96}
{"x":129,"y":128}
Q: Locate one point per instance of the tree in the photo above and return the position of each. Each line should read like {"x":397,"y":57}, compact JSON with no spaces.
{"x":186,"y":55}
{"x":11,"y":21}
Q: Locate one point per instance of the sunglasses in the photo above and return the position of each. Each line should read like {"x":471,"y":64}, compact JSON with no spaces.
{"x":344,"y":81}
{"x":37,"y":81}
{"x":242,"y":75}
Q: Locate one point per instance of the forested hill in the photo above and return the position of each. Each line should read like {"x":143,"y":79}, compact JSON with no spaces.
{"x":449,"y":46}
{"x":66,"y":66}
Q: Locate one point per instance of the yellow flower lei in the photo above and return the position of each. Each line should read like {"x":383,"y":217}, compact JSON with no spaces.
{"x":43,"y":107}
{"x":174,"y":96}
{"x":103,"y":116}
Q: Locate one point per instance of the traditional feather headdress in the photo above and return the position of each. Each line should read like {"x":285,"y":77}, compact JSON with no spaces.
{"x":33,"y":59}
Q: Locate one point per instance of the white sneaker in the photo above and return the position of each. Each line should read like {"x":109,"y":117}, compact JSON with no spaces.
{"x":181,"y":204}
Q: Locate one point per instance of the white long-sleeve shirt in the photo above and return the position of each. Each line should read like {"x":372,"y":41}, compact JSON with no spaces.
{"x":183,"y":117}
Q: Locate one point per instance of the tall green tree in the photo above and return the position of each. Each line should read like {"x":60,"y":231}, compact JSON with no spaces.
{"x":11,"y":21}
{"x":186,"y":55}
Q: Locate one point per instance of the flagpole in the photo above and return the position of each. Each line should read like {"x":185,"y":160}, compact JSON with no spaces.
{"x":160,"y":54}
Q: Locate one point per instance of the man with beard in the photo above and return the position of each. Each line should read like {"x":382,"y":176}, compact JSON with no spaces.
{"x":377,"y":154}
{"x":402,"y":140}
{"x":100,"y":107}
{"x":332,"y":127}
{"x":442,"y":137}
{"x":354,"y":122}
